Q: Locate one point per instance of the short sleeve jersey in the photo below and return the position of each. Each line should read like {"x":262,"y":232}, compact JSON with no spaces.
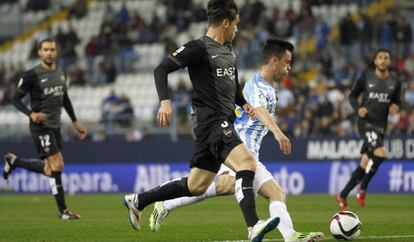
{"x":212,"y":70}
{"x":377,"y":96}
{"x":258,"y":93}
{"x":46,"y":89}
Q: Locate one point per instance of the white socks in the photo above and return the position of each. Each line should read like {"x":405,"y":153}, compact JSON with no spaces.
{"x":278,"y":209}
{"x":184,"y":201}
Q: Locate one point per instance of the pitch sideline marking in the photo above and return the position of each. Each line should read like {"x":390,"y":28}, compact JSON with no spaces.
{"x":332,"y":239}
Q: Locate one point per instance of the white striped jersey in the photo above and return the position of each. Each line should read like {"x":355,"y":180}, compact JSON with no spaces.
{"x":258,"y":93}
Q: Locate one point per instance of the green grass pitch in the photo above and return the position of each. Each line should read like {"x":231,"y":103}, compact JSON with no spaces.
{"x":33,"y":217}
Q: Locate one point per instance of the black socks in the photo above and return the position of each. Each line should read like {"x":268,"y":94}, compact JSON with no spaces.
{"x":167,"y":191}
{"x":35,"y":165}
{"x":356,"y":177}
{"x":377,"y":160}
{"x":57,"y":189}
{"x":245,"y":196}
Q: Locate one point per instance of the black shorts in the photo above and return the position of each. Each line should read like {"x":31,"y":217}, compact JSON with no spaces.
{"x":373,"y":139}
{"x":214,"y":143}
{"x":48,"y":141}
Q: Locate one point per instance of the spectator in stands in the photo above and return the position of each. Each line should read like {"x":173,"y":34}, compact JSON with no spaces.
{"x":326,"y":115}
{"x":366,"y":35}
{"x":125,"y":55}
{"x":124,"y":111}
{"x":326,"y":63}
{"x":181,"y":98}
{"x":77,"y":75}
{"x":385,"y":35}
{"x":122,"y":17}
{"x":60,"y":37}
{"x":12,"y":78}
{"x":321,"y":31}
{"x":33,"y":50}
{"x":110,"y":71}
{"x":286,"y":97}
{"x":403,"y":37}
{"x":99,"y":76}
{"x":108,"y":107}
{"x":92,"y":49}
{"x":409,"y":95}
{"x":37,"y":5}
{"x":410,"y":128}
{"x":305,"y":24}
{"x":348,"y":35}
{"x":106,"y":73}
{"x":79,"y":9}
{"x":72,"y":36}
{"x":258,"y":8}
{"x":409,"y":64}
{"x":198,"y":13}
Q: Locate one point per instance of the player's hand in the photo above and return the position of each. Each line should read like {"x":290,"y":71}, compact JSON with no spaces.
{"x":394,"y":108}
{"x":249,"y":110}
{"x":38,"y":117}
{"x":164,"y":115}
{"x":362,"y":112}
{"x":81,"y":130}
{"x":284,"y":143}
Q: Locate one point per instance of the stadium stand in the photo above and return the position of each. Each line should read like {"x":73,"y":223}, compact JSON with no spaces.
{"x":109,"y":57}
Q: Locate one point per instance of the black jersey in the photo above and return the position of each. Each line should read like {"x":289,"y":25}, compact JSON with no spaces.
{"x":377,"y":96}
{"x":47,"y":89}
{"x":213,"y":73}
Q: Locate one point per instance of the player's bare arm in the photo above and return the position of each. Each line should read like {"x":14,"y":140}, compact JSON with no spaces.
{"x":82,"y":131}
{"x":67,"y":104}
{"x":249,"y":110}
{"x":394,"y":108}
{"x":362,"y":112}
{"x":264,"y":117}
{"x":38,"y":117}
{"x":164,"y":115}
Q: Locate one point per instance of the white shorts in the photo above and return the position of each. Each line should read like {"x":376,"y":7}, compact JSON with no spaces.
{"x":261,"y":176}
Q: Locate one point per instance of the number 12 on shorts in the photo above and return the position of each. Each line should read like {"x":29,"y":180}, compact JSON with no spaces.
{"x":45,"y":140}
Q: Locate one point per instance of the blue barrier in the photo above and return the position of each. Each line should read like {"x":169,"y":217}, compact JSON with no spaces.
{"x":394,"y":176}
{"x":118,"y":150}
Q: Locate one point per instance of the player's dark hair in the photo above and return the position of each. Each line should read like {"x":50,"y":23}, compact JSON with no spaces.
{"x":381,"y":50}
{"x":275,"y":47}
{"x":49,"y":40}
{"x":218,"y":10}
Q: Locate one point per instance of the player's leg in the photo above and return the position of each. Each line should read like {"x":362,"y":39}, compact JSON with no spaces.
{"x":266,"y":186}
{"x":41,"y":138}
{"x":277,"y":208}
{"x":12,"y":161}
{"x":358,"y":173}
{"x":195,"y":184}
{"x":371,"y":169}
{"x":224,"y":185}
{"x":356,"y":176}
{"x":52,"y":144}
{"x":242,"y":161}
{"x":204,"y":167}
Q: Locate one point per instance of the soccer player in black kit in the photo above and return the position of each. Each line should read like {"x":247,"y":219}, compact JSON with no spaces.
{"x":211,"y":64}
{"x":381,"y":94}
{"x":47,"y":85}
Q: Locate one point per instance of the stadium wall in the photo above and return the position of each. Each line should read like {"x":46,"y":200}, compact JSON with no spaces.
{"x":316,"y":166}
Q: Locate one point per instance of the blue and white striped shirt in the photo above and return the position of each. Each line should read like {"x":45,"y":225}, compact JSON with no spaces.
{"x":258,"y":93}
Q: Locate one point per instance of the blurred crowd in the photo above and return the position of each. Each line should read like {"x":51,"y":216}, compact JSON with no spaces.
{"x":313,"y":100}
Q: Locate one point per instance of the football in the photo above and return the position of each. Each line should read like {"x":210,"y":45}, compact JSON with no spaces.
{"x":345,"y":225}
